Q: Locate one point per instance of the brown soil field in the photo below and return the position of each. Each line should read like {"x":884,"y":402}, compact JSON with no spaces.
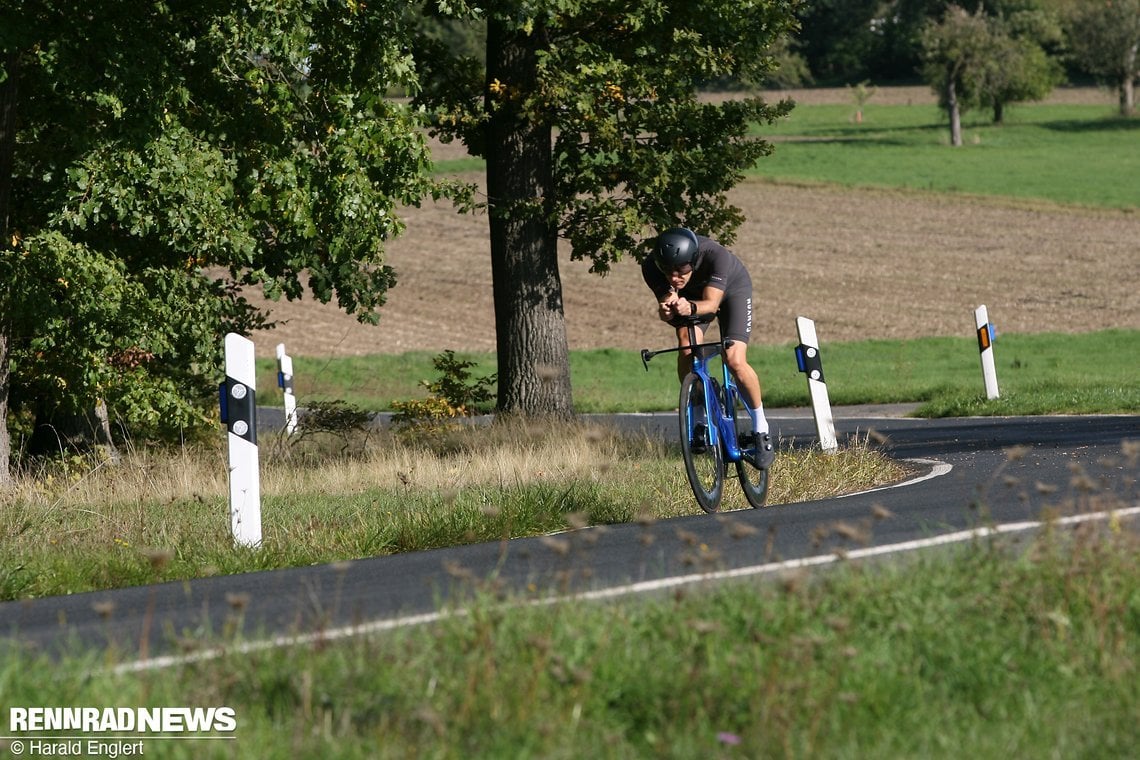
{"x":861,"y":263}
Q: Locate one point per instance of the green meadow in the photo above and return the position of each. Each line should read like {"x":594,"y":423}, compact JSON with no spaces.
{"x":1092,"y":373}
{"x":1073,"y":154}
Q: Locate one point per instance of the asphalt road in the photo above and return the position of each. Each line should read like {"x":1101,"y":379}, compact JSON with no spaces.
{"x":971,"y":473}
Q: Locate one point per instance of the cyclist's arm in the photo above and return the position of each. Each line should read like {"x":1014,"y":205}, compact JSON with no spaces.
{"x":666,"y":305}
{"x":663,"y":293}
{"x":719,"y":262}
{"x":708,"y":303}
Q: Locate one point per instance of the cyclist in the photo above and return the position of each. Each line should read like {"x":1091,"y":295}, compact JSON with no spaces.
{"x":692,"y":275}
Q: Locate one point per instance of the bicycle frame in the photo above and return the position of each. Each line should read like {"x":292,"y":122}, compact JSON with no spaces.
{"x":720,"y":417}
{"x":709,"y":439}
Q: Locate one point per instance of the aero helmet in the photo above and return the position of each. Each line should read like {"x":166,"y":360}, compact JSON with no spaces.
{"x":675,"y":248}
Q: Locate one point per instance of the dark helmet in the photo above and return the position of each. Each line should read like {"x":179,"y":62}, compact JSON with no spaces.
{"x":675,"y":248}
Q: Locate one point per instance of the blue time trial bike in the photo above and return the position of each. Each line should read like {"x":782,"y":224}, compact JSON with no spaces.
{"x":715,"y":428}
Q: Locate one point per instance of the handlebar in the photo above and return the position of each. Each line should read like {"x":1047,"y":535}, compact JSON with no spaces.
{"x":646,"y":354}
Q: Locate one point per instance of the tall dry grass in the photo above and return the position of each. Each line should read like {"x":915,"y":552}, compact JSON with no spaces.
{"x":164,"y":515}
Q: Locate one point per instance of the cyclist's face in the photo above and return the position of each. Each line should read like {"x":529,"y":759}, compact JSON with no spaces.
{"x":679,"y":277}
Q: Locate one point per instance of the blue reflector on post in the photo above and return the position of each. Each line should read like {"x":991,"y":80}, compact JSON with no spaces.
{"x":223,"y":402}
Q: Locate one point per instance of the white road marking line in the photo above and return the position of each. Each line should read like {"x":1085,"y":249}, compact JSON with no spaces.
{"x":873,"y":551}
{"x":380,"y":626}
{"x":937,"y":469}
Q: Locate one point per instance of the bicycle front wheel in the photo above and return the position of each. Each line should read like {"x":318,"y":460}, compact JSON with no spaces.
{"x":704,"y":462}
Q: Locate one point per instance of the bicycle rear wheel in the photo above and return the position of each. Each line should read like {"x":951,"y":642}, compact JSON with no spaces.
{"x":753,"y":480}
{"x":704,"y":463}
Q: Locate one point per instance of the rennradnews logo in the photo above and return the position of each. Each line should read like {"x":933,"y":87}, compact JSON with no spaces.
{"x":118,"y":731}
{"x":90,"y":720}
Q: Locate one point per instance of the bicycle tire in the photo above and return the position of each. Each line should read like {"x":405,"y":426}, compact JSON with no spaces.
{"x":704,"y":461}
{"x":753,"y":480}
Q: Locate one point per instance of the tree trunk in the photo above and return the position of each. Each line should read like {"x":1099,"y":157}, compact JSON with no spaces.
{"x":5,"y":438}
{"x":58,"y":431}
{"x":530,"y":325}
{"x":955,"y":114}
{"x":8,"y":95}
{"x":1128,"y":83}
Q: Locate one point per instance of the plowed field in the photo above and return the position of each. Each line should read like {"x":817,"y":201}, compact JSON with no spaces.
{"x":861,"y":263}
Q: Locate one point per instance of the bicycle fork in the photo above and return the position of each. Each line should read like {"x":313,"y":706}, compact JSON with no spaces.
{"x":720,"y":427}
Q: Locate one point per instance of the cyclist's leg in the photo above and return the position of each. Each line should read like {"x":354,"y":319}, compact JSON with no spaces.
{"x":685,"y":358}
{"x":746,"y":378}
{"x":735,"y":318}
{"x":736,"y":323}
{"x":763,"y":450}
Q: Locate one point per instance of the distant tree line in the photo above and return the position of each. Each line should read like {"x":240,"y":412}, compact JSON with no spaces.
{"x":975,"y":53}
{"x":1002,"y":51}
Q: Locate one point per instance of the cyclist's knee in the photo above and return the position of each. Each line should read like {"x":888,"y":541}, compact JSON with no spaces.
{"x":737,"y":359}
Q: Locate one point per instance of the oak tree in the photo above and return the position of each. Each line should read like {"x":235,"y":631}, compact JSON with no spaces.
{"x":587,"y":113}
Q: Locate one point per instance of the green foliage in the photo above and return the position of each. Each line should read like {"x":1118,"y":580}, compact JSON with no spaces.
{"x":976,"y":60}
{"x":845,"y":41}
{"x":1020,"y":69}
{"x":86,"y":328}
{"x":634,"y":149}
{"x":839,"y":39}
{"x":205,"y":147}
{"x":458,"y":386}
{"x":455,"y":393}
{"x":337,"y":420}
{"x":1105,"y":41}
{"x":424,"y":416}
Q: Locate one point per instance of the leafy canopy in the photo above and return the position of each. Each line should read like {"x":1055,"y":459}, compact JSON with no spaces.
{"x":634,"y":148}
{"x":991,"y":60}
{"x":166,"y":153}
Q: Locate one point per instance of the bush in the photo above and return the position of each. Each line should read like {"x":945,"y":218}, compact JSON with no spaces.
{"x":455,"y":394}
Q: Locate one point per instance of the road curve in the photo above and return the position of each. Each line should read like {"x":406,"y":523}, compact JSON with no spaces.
{"x":970,"y":473}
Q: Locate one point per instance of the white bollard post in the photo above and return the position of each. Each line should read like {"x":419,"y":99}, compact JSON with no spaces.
{"x":986,"y":349}
{"x":285,"y":382}
{"x":239,"y":413}
{"x":807,"y":356}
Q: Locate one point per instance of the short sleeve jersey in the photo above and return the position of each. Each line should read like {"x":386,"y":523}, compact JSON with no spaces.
{"x":716,"y":267}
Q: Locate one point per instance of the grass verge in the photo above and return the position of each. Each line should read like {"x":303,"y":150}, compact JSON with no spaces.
{"x":1034,"y":652}
{"x":157,"y":517}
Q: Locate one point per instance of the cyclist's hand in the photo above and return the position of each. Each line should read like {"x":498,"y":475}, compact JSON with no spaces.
{"x":665,"y":311}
